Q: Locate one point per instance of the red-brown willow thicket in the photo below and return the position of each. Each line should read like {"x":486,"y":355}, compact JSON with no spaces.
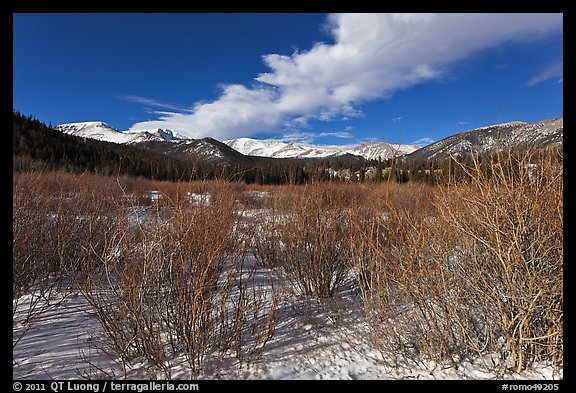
{"x":444,"y":273}
{"x":475,"y":272}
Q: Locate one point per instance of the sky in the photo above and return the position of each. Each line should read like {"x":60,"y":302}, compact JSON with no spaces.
{"x":326,"y":79}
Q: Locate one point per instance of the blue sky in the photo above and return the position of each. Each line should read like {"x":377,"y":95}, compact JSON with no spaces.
{"x":317,"y":78}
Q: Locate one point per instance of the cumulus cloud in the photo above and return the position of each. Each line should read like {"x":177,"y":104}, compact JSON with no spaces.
{"x":373,"y":56}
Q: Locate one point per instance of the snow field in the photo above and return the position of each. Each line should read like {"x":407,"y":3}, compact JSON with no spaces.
{"x":308,"y":344}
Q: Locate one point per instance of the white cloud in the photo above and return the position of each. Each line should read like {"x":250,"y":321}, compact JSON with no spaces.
{"x":238,"y":112}
{"x":552,"y":71}
{"x":373,"y":56}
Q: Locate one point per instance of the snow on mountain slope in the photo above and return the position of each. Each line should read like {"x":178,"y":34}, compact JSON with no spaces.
{"x":103,"y":132}
{"x":503,"y":136}
{"x":95,"y":130}
{"x":513,"y":134}
{"x":381,"y":150}
{"x":247,"y":146}
{"x":254,"y":147}
{"x":276,"y":149}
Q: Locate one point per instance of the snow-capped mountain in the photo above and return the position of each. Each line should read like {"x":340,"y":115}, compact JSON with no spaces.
{"x":382,"y":150}
{"x":159,"y":140}
{"x":247,"y":146}
{"x":513,"y":135}
{"x":277,"y":149}
{"x":254,"y":147}
{"x":103,"y":132}
{"x":509,"y":135}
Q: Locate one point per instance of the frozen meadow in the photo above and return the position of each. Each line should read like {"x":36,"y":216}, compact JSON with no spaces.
{"x":301,"y":283}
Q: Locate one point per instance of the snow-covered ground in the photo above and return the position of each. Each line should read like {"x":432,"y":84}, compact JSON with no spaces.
{"x":311,"y":342}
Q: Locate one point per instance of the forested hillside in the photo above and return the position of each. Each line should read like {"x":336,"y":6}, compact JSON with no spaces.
{"x":35,"y":145}
{"x":38,"y":146}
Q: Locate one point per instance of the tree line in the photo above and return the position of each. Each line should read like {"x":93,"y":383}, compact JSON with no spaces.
{"x":36,"y":145}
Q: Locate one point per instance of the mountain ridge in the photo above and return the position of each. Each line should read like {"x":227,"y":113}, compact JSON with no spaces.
{"x":515,"y":134}
{"x":102,"y":131}
{"x":246,"y":146}
{"x":277,"y":149}
{"x":512,"y":135}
